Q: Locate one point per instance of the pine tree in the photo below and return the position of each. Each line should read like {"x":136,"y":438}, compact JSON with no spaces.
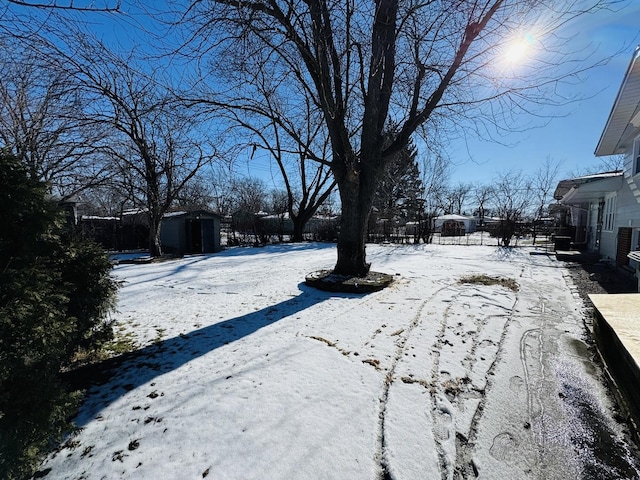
{"x":55,"y":293}
{"x":398,"y":195}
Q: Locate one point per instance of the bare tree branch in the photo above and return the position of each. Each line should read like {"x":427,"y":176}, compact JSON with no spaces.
{"x":71,"y":5}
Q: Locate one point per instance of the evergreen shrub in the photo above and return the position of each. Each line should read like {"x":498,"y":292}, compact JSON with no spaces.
{"x":55,"y":295}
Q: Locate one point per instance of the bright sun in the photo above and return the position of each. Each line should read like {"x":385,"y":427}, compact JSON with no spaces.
{"x":518,"y":49}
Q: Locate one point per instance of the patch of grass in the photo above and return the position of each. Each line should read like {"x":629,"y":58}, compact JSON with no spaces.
{"x":160,"y":334}
{"x":331,"y":344}
{"x":323,"y":340}
{"x":375,"y":363}
{"x":410,"y":379}
{"x":481,"y":279}
{"x":122,"y":343}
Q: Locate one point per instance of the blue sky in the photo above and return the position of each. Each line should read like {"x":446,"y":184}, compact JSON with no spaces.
{"x":570,"y":135}
{"x":571,"y":138}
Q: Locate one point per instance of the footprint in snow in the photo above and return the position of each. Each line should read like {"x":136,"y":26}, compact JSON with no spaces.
{"x":503,"y":446}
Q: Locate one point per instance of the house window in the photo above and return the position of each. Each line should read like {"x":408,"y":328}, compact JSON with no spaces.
{"x":609,"y":212}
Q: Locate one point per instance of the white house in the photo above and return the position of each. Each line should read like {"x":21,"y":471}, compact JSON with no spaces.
{"x":586,"y":198}
{"x":605,"y":207}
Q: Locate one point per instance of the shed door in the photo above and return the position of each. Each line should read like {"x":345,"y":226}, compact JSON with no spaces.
{"x":195,"y":236}
{"x":208,"y":236}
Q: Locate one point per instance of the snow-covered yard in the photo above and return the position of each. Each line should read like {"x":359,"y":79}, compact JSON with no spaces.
{"x":244,"y":372}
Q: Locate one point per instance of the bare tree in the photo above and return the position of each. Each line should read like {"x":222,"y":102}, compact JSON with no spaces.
{"x":41,"y":124}
{"x":611,"y":163}
{"x":220,"y":182}
{"x":368,"y":66}
{"x":279,"y":207}
{"x":435,"y":177}
{"x":21,"y":19}
{"x":481,"y":196}
{"x":512,"y":198}
{"x":250,"y":195}
{"x":157,"y":146}
{"x":70,"y":5}
{"x":543,"y":183}
{"x":298,"y":144}
{"x":455,"y":198}
{"x":197,"y":194}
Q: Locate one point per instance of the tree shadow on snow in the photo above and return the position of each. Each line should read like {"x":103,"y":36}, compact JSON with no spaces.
{"x":173,"y":267}
{"x":116,"y":376}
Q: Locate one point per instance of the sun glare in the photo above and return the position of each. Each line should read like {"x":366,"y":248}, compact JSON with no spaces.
{"x":517,"y":51}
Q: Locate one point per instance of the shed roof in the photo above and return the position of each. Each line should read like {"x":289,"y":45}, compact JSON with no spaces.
{"x":454,"y":216}
{"x":191,"y":214}
{"x":624,"y":120}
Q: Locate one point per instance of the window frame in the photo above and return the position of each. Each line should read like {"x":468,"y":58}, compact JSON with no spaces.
{"x":609,"y":212}
{"x":635,"y":162}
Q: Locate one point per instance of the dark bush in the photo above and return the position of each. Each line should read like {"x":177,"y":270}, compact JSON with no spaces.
{"x":55,"y":294}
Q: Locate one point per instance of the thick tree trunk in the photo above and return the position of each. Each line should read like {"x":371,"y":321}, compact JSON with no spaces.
{"x":356,"y":194}
{"x":298,"y":229}
{"x":300,"y":222}
{"x":155,"y":248}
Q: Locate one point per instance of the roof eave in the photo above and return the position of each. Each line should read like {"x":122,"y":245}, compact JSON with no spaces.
{"x":610,"y":133}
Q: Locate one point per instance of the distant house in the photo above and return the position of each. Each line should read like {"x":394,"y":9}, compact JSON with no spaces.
{"x":605,"y":208}
{"x":190,"y":232}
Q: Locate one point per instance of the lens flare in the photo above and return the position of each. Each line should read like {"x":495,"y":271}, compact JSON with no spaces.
{"x":519,"y":49}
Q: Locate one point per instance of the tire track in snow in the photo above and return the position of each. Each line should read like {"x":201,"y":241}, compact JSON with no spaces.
{"x":384,"y":472}
{"x":465,"y":466}
{"x":446,"y":393}
{"x":531,"y":349}
{"x":449,"y":394}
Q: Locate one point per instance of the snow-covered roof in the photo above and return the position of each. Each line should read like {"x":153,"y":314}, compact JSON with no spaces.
{"x":275,"y":216}
{"x":189,"y":213}
{"x":134,"y":211}
{"x":453,"y":216}
{"x":98,"y":217}
{"x":174,"y":214}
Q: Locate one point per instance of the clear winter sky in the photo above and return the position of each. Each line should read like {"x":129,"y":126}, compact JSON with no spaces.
{"x":572,"y":138}
{"x":569,"y":137}
{"x":571,"y":133}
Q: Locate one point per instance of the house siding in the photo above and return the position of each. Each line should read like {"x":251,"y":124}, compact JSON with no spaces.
{"x":608,"y":245}
{"x":621,"y":136}
{"x":627,"y":212}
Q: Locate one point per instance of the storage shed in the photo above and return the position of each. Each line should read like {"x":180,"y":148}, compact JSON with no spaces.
{"x":190,"y":232}
{"x":468,"y":222}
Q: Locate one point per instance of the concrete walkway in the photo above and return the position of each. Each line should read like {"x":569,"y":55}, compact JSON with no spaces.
{"x":617,"y":333}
